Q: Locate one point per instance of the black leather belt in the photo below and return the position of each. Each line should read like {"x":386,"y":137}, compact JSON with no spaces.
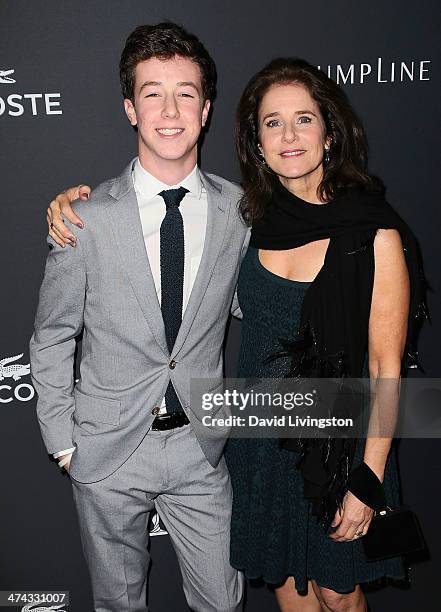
{"x":170,"y":421}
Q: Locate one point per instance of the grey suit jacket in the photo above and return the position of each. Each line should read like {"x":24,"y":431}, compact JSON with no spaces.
{"x":105,"y":289}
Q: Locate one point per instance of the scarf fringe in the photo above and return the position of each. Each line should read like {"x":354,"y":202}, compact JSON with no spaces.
{"x":307,"y":362}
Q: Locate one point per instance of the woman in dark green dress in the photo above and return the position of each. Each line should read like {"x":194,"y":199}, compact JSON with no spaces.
{"x":319,"y":224}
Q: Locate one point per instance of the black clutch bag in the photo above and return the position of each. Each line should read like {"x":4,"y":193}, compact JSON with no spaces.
{"x":393,"y":533}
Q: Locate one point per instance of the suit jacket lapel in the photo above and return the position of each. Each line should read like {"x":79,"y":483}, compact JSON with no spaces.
{"x":124,"y":218}
{"x":217,"y":218}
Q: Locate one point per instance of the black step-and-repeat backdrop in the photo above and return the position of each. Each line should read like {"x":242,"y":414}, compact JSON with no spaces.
{"x":62,"y":122}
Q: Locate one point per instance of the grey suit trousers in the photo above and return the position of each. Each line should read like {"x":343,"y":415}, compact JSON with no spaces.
{"x":167,"y":470}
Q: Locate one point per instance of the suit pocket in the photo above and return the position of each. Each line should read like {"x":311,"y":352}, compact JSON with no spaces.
{"x":95,"y":409}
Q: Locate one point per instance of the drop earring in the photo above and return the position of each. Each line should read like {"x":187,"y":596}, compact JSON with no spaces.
{"x":260,"y":152}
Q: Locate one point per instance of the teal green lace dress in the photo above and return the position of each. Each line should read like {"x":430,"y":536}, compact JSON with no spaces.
{"x":273,"y":534}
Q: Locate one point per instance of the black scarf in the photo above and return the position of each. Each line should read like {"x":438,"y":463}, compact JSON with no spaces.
{"x":333,"y":335}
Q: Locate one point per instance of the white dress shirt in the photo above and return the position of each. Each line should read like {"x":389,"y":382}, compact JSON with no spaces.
{"x":152,"y":211}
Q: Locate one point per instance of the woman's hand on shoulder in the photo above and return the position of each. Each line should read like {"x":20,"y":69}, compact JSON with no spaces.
{"x":61,"y":205}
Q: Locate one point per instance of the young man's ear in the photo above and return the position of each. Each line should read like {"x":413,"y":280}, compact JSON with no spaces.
{"x":130,"y":111}
{"x":205,"y":112}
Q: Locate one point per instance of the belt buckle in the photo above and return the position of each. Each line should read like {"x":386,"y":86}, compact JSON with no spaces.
{"x":160,"y":419}
{"x":170,"y":421}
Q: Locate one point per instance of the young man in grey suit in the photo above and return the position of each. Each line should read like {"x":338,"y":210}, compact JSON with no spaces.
{"x":150,"y":284}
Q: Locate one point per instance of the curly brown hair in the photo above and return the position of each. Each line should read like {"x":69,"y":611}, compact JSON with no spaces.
{"x":165,"y":40}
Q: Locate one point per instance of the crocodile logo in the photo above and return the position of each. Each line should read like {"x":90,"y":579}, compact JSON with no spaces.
{"x":5,"y":78}
{"x":30,"y":608}
{"x":16,"y":370}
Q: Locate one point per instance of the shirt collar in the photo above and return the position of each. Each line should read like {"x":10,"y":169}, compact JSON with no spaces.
{"x":149,"y":186}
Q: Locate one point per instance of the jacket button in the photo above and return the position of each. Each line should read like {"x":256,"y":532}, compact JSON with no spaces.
{"x":155,"y":410}
{"x":172,"y":365}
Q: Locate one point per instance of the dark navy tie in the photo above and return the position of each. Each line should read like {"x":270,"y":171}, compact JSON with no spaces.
{"x":172,"y":276}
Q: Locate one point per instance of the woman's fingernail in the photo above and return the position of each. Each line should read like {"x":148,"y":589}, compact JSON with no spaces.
{"x":80,"y":225}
